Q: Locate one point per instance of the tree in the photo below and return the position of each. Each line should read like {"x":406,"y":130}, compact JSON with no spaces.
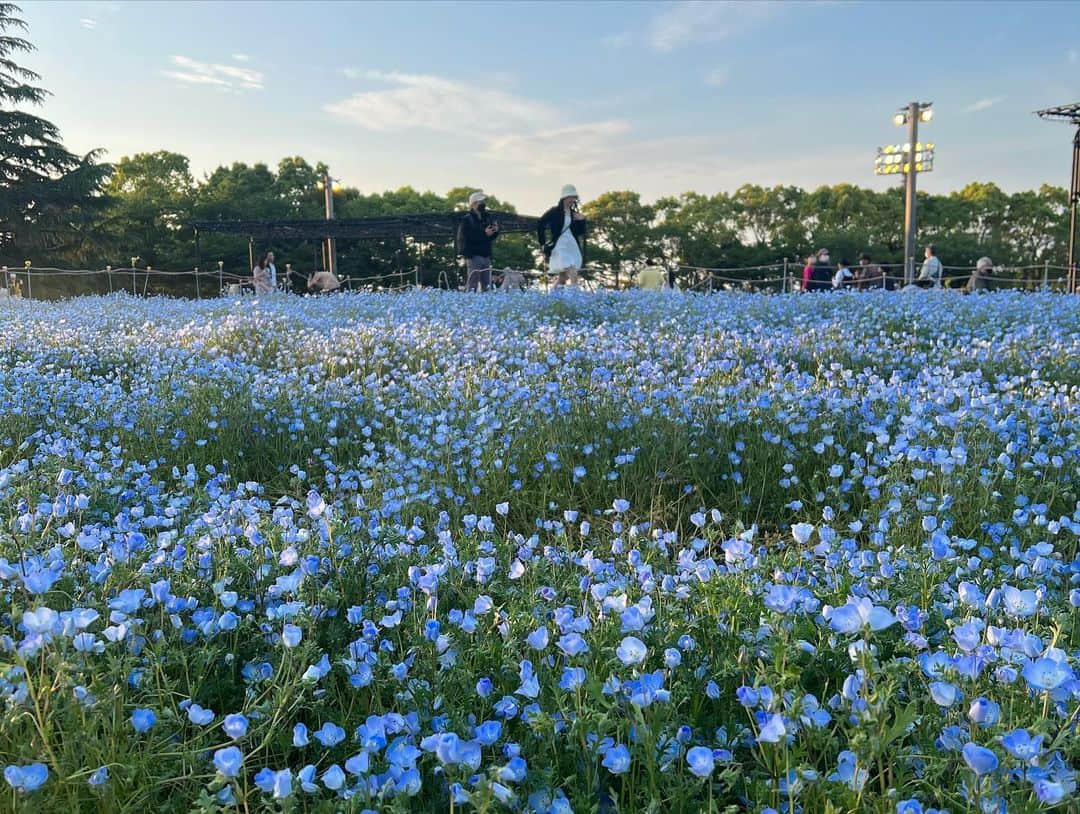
{"x":151,"y":206}
{"x":48,"y":195}
{"x":620,"y":227}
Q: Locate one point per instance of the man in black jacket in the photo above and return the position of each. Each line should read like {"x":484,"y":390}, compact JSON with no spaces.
{"x":475,"y":235}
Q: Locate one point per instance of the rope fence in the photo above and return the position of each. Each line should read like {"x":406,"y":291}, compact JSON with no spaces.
{"x":776,"y":277}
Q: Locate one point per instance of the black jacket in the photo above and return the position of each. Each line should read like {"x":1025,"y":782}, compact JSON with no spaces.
{"x":472,"y":240}
{"x":552,"y":221}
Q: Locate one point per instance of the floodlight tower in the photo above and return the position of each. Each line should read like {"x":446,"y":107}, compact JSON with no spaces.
{"x":329,"y":186}
{"x":911,"y":115}
{"x":1071,"y":115}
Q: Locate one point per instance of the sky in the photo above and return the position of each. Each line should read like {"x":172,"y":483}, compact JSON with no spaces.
{"x":519,"y":98}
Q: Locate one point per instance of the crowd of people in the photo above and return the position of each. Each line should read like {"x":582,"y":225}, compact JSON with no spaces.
{"x":819,"y":274}
{"x":560,"y":234}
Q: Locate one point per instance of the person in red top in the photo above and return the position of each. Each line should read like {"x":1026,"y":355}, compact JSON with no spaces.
{"x":807,"y":272}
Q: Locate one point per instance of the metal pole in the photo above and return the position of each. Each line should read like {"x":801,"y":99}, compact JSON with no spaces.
{"x":198,"y":294}
{"x":785,"y":288}
{"x":331,"y":247}
{"x":1074,"y":199}
{"x":909,"y":193}
{"x":221,"y":277}
{"x":1046,"y":274}
{"x":251,"y":252}
{"x":108,"y":270}
{"x":29,"y":286}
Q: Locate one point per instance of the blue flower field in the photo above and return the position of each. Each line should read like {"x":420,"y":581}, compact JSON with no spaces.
{"x":621,"y":552}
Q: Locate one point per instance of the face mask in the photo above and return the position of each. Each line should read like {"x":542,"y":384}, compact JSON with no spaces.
{"x":481,"y":208}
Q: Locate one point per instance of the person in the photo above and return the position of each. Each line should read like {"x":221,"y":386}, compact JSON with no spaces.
{"x":870,"y":275}
{"x":272,"y":269}
{"x":260,"y":276}
{"x":651,"y":278}
{"x":822,"y":273}
{"x":476,"y":233}
{"x":808,"y":272}
{"x":566,"y":225}
{"x":511,"y":280}
{"x":979,"y":280}
{"x":930,"y":274}
{"x":323,"y":282}
{"x":843,"y":277}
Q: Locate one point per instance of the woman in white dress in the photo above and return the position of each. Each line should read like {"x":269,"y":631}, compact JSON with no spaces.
{"x":566,"y":226}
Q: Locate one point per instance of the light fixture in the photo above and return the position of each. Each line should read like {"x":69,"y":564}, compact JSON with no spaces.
{"x":900,"y":119}
{"x":926,"y":115}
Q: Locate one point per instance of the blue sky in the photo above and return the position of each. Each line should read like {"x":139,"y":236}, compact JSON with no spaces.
{"x":519,"y":98}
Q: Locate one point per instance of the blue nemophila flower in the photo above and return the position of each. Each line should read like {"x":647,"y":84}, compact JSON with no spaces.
{"x":143,"y":719}
{"x":488,"y":732}
{"x":538,"y":639}
{"x":229,"y":761}
{"x":99,"y":777}
{"x":849,"y":772}
{"x":26,"y":778}
{"x":572,"y":678}
{"x":1046,"y":674}
{"x":616,"y":759}
{"x":329,"y":734}
{"x":334,"y":778}
{"x":199,"y":716}
{"x":984,"y":712}
{"x":979,"y":759}
{"x":1021,"y":745}
{"x":773,"y":730}
{"x":291,"y":635}
{"x":802,"y":532}
{"x":700,"y":762}
{"x":235,"y":726}
{"x":1019,"y":603}
{"x":572,"y":644}
{"x":1050,"y":793}
{"x":631,"y":651}
{"x":620,"y":505}
{"x":944,"y":693}
{"x":279,"y":783}
{"x":300,"y":735}
{"x":856,"y":614}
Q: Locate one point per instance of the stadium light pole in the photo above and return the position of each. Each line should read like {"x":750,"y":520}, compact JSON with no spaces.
{"x":1069,"y":114}
{"x":328,"y":188}
{"x":911,"y":116}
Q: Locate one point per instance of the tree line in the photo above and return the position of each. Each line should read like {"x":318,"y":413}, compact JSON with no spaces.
{"x":68,"y":211}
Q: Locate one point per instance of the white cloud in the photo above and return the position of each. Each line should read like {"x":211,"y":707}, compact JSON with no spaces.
{"x":228,"y":77}
{"x":717,"y":78}
{"x":573,"y":148}
{"x":983,"y":104}
{"x":241,"y":58}
{"x":619,"y":40}
{"x":698,"y":21}
{"x":436,"y":103}
{"x":88,"y":23}
{"x":351,"y":73}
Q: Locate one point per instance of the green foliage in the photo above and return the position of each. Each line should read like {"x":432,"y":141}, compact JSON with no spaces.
{"x":48,"y":195}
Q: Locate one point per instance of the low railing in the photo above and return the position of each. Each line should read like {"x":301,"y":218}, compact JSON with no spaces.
{"x":54,"y":283}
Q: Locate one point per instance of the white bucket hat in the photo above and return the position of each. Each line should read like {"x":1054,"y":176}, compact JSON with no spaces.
{"x":568,"y":191}
{"x":984,"y":263}
{"x":477,"y":197}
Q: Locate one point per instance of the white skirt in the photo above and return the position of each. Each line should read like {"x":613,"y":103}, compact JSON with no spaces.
{"x":565,"y":255}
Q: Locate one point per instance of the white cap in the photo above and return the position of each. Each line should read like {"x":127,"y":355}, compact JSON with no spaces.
{"x":477,"y":197}
{"x":984,"y":263}
{"x":568,"y":191}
